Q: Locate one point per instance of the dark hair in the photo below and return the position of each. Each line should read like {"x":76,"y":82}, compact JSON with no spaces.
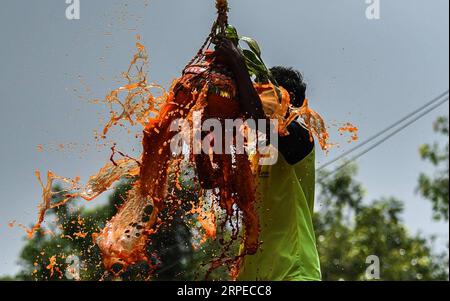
{"x":292,"y":81}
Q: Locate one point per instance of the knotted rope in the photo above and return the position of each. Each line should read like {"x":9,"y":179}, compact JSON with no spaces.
{"x":218,"y":31}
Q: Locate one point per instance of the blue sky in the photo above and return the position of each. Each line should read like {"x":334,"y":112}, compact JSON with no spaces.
{"x":368,"y":72}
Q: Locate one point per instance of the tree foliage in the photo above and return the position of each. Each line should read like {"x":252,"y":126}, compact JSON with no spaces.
{"x":350,"y":229}
{"x":73,"y":237}
{"x":435,"y":187}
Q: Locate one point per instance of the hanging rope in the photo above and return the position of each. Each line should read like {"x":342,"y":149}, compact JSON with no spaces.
{"x":218,"y":31}
{"x":222,"y":17}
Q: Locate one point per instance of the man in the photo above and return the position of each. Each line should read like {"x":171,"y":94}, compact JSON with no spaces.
{"x":288,"y":251}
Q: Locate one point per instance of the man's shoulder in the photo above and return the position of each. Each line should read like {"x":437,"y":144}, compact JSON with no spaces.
{"x":298,"y":145}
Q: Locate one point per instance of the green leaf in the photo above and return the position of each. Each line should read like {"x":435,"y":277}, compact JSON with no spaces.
{"x":256,"y":56}
{"x":253,"y":45}
{"x":255,"y":65}
{"x":232,"y":34}
{"x":252,"y":57}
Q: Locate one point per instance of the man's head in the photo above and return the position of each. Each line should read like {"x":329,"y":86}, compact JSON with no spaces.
{"x":292,"y":81}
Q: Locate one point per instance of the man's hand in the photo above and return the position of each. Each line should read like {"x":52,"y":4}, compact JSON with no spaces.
{"x":229,"y":54}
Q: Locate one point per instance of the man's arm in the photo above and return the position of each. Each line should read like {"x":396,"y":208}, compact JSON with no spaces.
{"x":229,"y":54}
{"x":294,"y":147}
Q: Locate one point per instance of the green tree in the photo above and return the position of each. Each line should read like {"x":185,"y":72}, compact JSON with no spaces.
{"x":349,"y":230}
{"x":435,"y":187}
{"x":73,"y":237}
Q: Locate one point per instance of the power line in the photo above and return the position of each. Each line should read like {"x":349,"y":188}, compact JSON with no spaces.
{"x":434,"y":100}
{"x":423,"y":114}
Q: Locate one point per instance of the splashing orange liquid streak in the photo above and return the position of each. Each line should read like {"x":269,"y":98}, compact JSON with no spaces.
{"x":124,"y":239}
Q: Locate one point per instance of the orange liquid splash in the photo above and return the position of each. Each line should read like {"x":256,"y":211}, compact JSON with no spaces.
{"x":124,"y":239}
{"x":350,"y":128}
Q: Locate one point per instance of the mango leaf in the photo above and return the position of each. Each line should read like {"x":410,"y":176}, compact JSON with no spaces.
{"x":252,"y":71}
{"x":257,"y":52}
{"x":255,"y":63}
{"x":232,"y":34}
{"x":253,"y":57}
{"x":253,"y":45}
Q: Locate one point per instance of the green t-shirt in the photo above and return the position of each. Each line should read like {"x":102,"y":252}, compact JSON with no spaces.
{"x":288,"y":251}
